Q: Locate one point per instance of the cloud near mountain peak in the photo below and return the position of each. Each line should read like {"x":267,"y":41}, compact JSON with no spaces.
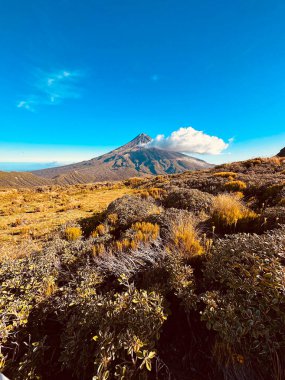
{"x":189,"y":140}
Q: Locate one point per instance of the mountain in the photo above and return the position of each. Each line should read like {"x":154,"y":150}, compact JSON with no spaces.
{"x":281,"y":153}
{"x":130,"y":160}
{"x":22,"y":179}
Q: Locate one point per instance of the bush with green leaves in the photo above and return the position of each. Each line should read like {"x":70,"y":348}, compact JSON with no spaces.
{"x":119,"y":331}
{"x":245,"y":303}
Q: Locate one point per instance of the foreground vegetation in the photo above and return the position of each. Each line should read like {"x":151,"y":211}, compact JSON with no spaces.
{"x":180,"y":277}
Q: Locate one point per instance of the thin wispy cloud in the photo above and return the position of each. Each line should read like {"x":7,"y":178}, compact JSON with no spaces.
{"x":51,"y":88}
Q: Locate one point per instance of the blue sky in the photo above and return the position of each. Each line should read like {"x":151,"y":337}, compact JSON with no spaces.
{"x":78,"y":78}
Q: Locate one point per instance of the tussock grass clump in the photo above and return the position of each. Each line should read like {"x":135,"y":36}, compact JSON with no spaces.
{"x":72,"y":233}
{"x":140,"y":233}
{"x":145,"y":232}
{"x":135,"y":181}
{"x":98,"y":249}
{"x":156,"y":193}
{"x":235,"y":186}
{"x":125,"y":245}
{"x":185,"y":238}
{"x":225,"y":174}
{"x":229,"y":213}
{"x":100,"y":230}
{"x":112,"y":219}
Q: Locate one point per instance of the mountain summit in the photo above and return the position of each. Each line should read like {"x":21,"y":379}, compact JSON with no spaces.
{"x":133,"y":159}
{"x":140,"y":140}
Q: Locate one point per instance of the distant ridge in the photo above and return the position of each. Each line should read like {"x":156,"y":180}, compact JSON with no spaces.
{"x":130,"y":160}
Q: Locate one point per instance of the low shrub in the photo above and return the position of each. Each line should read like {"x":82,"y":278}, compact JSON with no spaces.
{"x":274,"y":194}
{"x":131,"y":209}
{"x":188,"y":199}
{"x":120,"y":346}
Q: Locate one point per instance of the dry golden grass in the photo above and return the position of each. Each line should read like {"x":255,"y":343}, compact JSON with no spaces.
{"x":185,"y":238}
{"x":34,"y":214}
{"x":235,"y":185}
{"x":73,"y":233}
{"x":225,"y":174}
{"x":228,"y":211}
{"x":145,"y":232}
{"x":100,"y":230}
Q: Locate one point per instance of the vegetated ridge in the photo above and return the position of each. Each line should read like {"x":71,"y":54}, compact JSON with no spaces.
{"x":133,"y":159}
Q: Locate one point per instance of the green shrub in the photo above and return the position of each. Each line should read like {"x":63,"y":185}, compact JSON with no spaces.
{"x":120,"y":346}
{"x":246,"y":304}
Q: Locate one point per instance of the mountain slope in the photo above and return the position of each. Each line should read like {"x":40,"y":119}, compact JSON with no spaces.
{"x":22,"y":179}
{"x":129,"y":160}
{"x":281,"y":153}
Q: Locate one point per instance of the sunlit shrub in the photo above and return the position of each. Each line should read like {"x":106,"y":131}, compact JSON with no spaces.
{"x":25,"y":282}
{"x":72,"y":233}
{"x":135,"y":181}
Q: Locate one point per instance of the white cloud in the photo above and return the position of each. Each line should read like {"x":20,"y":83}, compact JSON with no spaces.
{"x":189,"y":140}
{"x":51,"y":88}
{"x":27,"y":105}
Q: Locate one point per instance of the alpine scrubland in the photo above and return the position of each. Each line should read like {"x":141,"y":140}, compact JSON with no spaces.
{"x":169,"y":277}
